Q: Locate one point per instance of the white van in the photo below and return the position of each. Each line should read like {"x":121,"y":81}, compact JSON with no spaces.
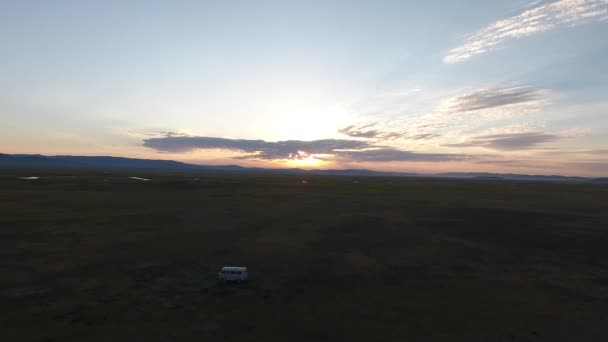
{"x":233,"y":274}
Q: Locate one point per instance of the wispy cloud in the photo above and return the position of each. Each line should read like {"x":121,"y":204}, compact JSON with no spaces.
{"x":492,"y":97}
{"x":328,"y":149}
{"x":370,"y":131}
{"x":525,"y":127}
{"x":496,"y":102}
{"x":599,"y":153}
{"x":539,"y":19}
{"x":509,"y":142}
{"x":391,"y":154}
{"x":463,"y":112}
{"x":362,"y":131}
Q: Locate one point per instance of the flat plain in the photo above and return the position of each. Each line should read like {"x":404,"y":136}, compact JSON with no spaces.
{"x":98,"y":256}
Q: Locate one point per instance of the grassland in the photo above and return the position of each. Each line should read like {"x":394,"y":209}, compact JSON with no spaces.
{"x":96,"y":256}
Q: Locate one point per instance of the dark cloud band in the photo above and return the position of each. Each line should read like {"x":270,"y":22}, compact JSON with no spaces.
{"x":339,"y":149}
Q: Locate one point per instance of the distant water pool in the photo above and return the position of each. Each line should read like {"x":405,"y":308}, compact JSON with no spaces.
{"x":139,"y":178}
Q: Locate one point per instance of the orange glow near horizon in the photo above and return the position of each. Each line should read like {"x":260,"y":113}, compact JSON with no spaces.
{"x":305,"y":160}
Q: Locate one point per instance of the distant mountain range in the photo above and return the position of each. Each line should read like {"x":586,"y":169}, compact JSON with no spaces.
{"x":119,"y":163}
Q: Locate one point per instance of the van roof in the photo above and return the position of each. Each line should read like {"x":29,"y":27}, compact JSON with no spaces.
{"x":234,"y":268}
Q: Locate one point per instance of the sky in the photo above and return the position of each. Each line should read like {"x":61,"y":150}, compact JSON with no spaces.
{"x":431,"y":86}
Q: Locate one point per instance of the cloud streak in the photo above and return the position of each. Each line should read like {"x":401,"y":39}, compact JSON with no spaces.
{"x":496,"y":102}
{"x":536,"y":20}
{"x":510,"y":142}
{"x":362,"y":131}
{"x":493,"y":97}
{"x":391,"y":154}
{"x":366,"y":131}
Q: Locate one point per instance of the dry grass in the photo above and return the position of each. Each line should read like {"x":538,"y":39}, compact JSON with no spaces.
{"x":99,"y":257}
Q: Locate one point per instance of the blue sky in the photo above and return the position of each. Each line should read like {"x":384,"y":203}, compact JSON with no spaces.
{"x":424,"y":86}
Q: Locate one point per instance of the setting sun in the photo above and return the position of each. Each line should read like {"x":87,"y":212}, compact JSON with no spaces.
{"x":304,"y":160}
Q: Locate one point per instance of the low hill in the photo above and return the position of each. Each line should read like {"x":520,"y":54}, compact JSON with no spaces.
{"x":114,"y":163}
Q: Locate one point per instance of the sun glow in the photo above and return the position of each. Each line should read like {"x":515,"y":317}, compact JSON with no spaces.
{"x":304,"y":160}
{"x":306,"y":121}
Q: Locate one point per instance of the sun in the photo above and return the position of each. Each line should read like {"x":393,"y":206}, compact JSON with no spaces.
{"x":304,"y":160}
